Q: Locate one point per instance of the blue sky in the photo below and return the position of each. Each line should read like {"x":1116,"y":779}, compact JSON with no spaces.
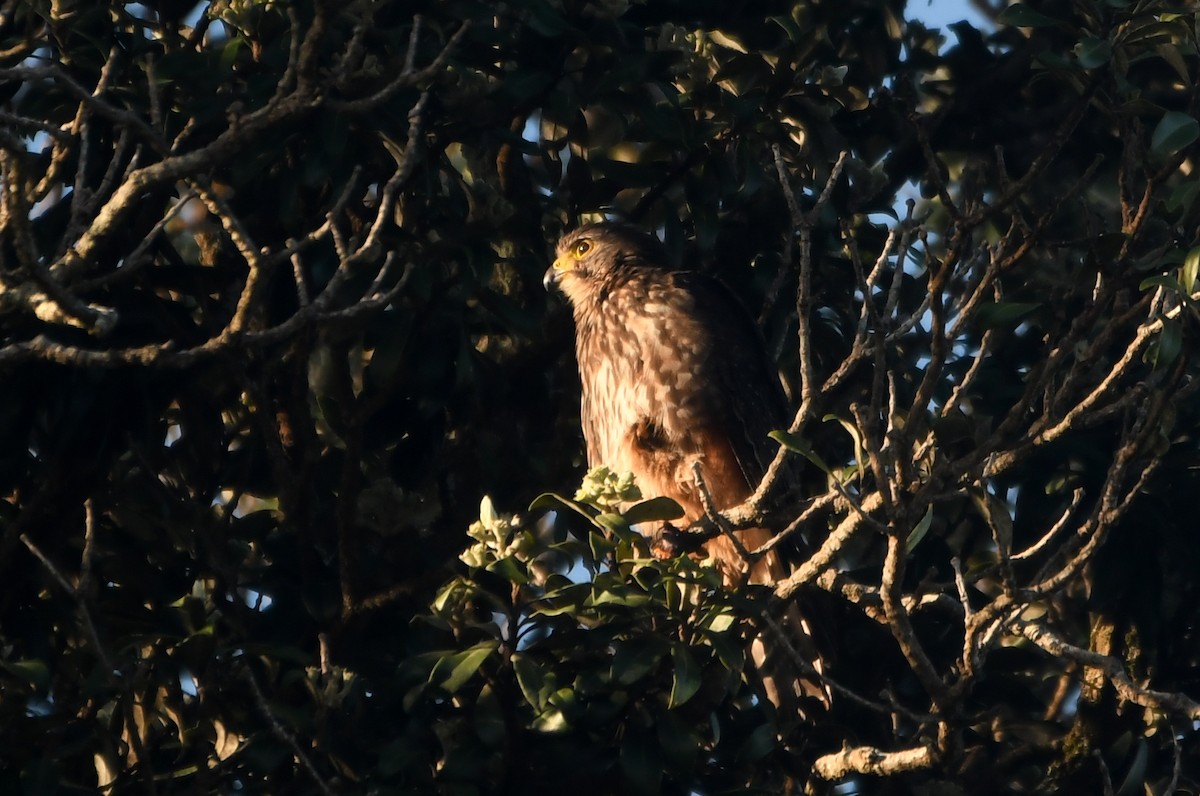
{"x":941,"y":13}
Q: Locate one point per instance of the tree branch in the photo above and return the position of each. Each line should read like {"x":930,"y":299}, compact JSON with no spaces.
{"x":869,"y":760}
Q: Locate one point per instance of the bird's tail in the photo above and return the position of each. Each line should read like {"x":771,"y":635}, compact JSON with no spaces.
{"x":790,"y":666}
{"x":785,"y":654}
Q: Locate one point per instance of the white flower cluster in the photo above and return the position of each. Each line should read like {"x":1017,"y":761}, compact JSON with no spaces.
{"x":605,"y":489}
{"x":497,"y":536}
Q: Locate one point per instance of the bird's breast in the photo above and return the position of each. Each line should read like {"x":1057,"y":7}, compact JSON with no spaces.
{"x":640,"y":361}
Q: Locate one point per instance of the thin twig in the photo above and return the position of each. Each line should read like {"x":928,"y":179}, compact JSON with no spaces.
{"x":282,"y":733}
{"x":715,"y":517}
{"x":1055,"y":530}
{"x":407,"y":76}
{"x":85,"y":614}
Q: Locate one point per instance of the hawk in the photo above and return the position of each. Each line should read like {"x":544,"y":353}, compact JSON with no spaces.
{"x":675,"y":373}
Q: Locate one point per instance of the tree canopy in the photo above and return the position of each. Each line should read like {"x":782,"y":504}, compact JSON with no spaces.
{"x":292,"y":495}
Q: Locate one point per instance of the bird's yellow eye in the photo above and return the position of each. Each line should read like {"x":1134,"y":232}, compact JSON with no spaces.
{"x":582,"y":248}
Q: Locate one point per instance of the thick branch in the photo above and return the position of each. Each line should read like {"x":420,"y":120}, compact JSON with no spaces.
{"x":869,"y":760}
{"x":1127,"y":690}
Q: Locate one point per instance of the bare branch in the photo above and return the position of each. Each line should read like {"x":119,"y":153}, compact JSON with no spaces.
{"x":1114,"y":672}
{"x":901,"y":627}
{"x":867,"y":597}
{"x":138,"y":257}
{"x":714,"y":516}
{"x":815,"y":507}
{"x":52,"y":130}
{"x":869,"y":760}
{"x":1055,"y":530}
{"x":54,"y":304}
{"x":407,"y":76}
{"x":829,"y":550}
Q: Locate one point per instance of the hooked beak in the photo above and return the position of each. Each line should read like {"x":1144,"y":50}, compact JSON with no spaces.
{"x":554,"y":273}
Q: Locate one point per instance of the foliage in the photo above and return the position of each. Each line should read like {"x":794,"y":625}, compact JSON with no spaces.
{"x":608,"y":646}
{"x":271,"y":323}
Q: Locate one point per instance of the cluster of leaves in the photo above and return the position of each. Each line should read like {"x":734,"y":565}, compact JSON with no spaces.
{"x":271,"y":322}
{"x":569,"y":640}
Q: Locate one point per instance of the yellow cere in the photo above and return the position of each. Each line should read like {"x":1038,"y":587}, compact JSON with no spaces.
{"x":567,"y":261}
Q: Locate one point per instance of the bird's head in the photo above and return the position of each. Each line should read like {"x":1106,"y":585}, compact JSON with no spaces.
{"x":588,"y":257}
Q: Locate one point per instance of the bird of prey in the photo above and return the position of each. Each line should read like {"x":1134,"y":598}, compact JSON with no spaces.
{"x":674,"y":373}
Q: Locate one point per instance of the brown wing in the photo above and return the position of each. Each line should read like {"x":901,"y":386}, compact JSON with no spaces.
{"x":746,"y":395}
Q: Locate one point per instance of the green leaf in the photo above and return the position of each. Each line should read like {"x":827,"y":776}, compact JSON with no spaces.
{"x":797,"y":444}
{"x":1161,"y":280}
{"x":462,"y":666}
{"x":614,"y":522}
{"x":550,"y":720}
{"x":686,"y":676}
{"x":678,"y":741}
{"x":533,"y":682}
{"x":1175,"y":131}
{"x":1169,"y":344}
{"x":1093,"y":52}
{"x":918,"y":533}
{"x":33,"y":672}
{"x":635,"y":658}
{"x":621,"y":596}
{"x":1022,"y":16}
{"x":721,"y":622}
{"x":1190,"y":270}
{"x":860,"y":452}
{"x":1135,"y":778}
{"x":1169,"y":52}
{"x":1004,"y":314}
{"x":794,"y":32}
{"x":554,"y":717}
{"x":653,"y":510}
{"x":489,"y":718}
{"x":600,"y":545}
{"x":549,"y":501}
{"x":546,"y":21}
{"x":641,"y":764}
{"x":1061,"y":483}
{"x":995,"y":513}
{"x":229,"y":52}
{"x":648,"y":577}
{"x":730,"y":651}
{"x":1183,"y":197}
{"x":510,"y":569}
{"x":1147,"y":32}
{"x":758,"y":744}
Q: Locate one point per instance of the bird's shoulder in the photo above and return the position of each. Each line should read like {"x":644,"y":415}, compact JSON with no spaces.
{"x":685,"y":289}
